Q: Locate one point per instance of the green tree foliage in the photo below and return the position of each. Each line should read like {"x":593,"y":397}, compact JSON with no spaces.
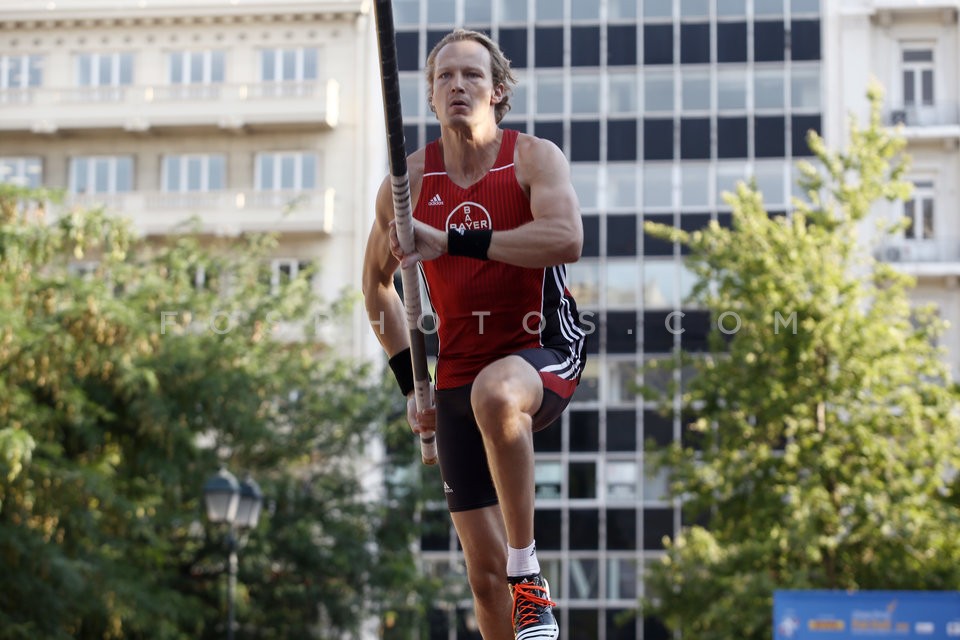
{"x":826,"y":425}
{"x":122,"y":389}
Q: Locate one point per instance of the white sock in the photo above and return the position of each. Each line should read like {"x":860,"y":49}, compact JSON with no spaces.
{"x":522,"y":562}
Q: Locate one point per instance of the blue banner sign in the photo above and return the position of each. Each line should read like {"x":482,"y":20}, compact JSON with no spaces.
{"x":838,"y":615}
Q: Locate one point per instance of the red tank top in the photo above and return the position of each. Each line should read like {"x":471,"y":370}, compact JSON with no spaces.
{"x":486,"y":309}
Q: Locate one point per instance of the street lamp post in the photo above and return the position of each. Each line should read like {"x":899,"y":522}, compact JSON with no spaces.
{"x":238,"y":505}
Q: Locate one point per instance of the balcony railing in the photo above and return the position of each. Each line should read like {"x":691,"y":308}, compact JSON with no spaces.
{"x":939,"y":250}
{"x":937,"y":115}
{"x":139,"y":108}
{"x":220,"y":212}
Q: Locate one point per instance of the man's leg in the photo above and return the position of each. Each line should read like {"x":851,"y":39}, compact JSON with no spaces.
{"x":505,"y":396}
{"x":484,"y":541}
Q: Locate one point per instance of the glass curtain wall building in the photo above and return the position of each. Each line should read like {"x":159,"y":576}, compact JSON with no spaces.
{"x":660,"y":106}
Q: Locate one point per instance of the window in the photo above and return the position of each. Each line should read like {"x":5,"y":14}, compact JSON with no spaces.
{"x":406,"y":12}
{"x":732,"y":90}
{"x":696,"y":90}
{"x":622,"y":283}
{"x":288,"y":65}
{"x":658,"y":139}
{"x":101,"y":174}
{"x":621,"y":9}
{"x":695,"y":138}
{"x":694,"y":43}
{"x":621,"y":430}
{"x":768,"y":88}
{"x":656,"y":485}
{"x":585,"y":10}
{"x":104,"y":69}
{"x":477,"y":13}
{"x":621,"y":178}
{"x":24,"y":171}
{"x":584,"y":433}
{"x":658,"y":8}
{"x":622,"y":235}
{"x":584,"y":535}
{"x":586,"y":181}
{"x":441,"y":11}
{"x":583,"y":480}
{"x":623,"y":378}
{"x":519,"y":98}
{"x":286,"y":171}
{"x":411,"y":97}
{"x":622,"y":480}
{"x":621,"y":45}
{"x":732,"y":137}
{"x":591,"y":236}
{"x":196,"y":67}
{"x":622,"y":92}
{"x":553,"y":131}
{"x":731,"y":42}
{"x":801,"y":126}
{"x":549,"y":93}
{"x":283,"y":271}
{"x":549,"y":10}
{"x":583,"y":280}
{"x":769,"y":175}
{"x":805,"y":39}
{"x":512,"y":11}
{"x":585,"y":94}
{"x":585,"y":46}
{"x":514,"y":45}
{"x":621,"y":140}
{"x":585,"y":141}
{"x":622,"y":579}
{"x":805,"y":87}
{"x":768,"y":7}
{"x":20,"y":72}
{"x":768,"y":136}
{"x":732,"y":8}
{"x":769,"y":40}
{"x":408,"y":50}
{"x":694,"y":184}
{"x":657,"y":44}
{"x":657,"y":523}
{"x":658,"y":91}
{"x":548,"y":478}
{"x":657,"y":428}
{"x":549,"y":43}
{"x":919,"y":211}
{"x":658,"y":184}
{"x":660,"y":284}
{"x":622,"y":523}
{"x":622,"y":338}
{"x":917,"y":77}
{"x":195,"y":172}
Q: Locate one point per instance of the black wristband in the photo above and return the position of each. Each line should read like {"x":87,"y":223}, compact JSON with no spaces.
{"x":471,"y":243}
{"x":403,"y":371}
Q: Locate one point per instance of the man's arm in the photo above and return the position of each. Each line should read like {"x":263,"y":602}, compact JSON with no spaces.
{"x":555,"y":236}
{"x":384,"y":307}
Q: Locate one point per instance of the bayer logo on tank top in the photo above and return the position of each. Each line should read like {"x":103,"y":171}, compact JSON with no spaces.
{"x":469,"y":216}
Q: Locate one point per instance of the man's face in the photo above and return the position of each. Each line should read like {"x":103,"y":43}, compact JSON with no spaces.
{"x":463,"y":90}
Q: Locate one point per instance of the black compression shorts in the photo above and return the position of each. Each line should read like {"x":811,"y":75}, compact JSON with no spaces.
{"x":467,"y":483}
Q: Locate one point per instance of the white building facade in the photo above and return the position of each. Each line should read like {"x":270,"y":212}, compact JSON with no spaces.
{"x":249,"y":116}
{"x":911,"y":48}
